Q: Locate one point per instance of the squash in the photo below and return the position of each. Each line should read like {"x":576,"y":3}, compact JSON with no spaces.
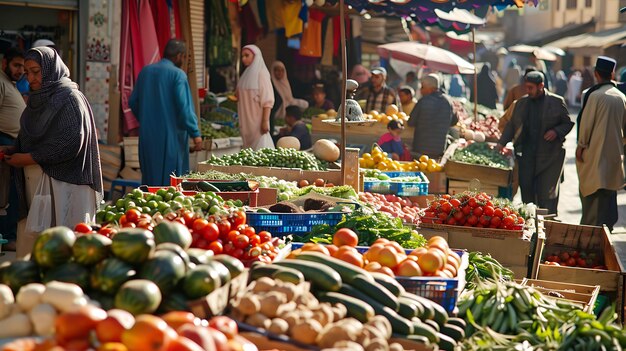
{"x":63,"y":296}
{"x":326,"y":150}
{"x":288,"y":142}
{"x":29,"y":296}
{"x":15,"y":326}
{"x":42,"y":317}
{"x":479,"y":137}
{"x":468,"y":134}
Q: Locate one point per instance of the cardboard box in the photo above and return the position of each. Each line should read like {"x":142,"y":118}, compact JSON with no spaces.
{"x":438,"y":182}
{"x":563,"y":236}
{"x":130,"y":173}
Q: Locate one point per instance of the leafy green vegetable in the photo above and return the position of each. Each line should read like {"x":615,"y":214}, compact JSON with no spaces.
{"x":481,"y":154}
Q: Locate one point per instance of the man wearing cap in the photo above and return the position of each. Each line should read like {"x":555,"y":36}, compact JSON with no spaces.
{"x":538,"y":126}
{"x":379,"y":95}
{"x":600,"y":153}
{"x":407,"y":98}
{"x":431,"y":117}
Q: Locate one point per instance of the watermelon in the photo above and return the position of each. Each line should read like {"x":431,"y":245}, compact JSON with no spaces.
{"x":53,"y":246}
{"x":235,"y":266}
{"x":175,"y":249}
{"x":172,"y":232}
{"x":133,"y":245}
{"x":175,"y":301}
{"x":165,"y":269}
{"x":106,"y":301}
{"x":20,"y":273}
{"x":221,"y":270}
{"x":90,"y":249}
{"x":70,"y":272}
{"x":138,"y":296}
{"x":199,"y":256}
{"x":108,"y":275}
{"x":201,"y":281}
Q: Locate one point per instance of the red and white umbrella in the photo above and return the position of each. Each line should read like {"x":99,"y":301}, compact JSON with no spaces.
{"x":433,"y":57}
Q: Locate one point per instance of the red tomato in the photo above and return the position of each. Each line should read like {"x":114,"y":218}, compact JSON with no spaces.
{"x":129,"y":225}
{"x":188,"y":217}
{"x":132,"y":215}
{"x":508,"y":221}
{"x":216,"y":247}
{"x":442,"y":216}
{"x":83,"y":228}
{"x":488,"y":211}
{"x":446,"y":196}
{"x":241,"y":241}
{"x":202,"y":244}
{"x":478,"y":211}
{"x":498,"y":213}
{"x":451,"y":221}
{"x":232,"y":235}
{"x":467,"y":210}
{"x":225,"y":325}
{"x":472,"y":202}
{"x":520,"y":220}
{"x":224,"y":227}
{"x":229,"y":248}
{"x":484,"y":220}
{"x":237,"y":253}
{"x":265,"y":236}
{"x":122,"y":221}
{"x":255,"y":240}
{"x":446,"y":207}
{"x":506,"y":211}
{"x":255,"y":251}
{"x":472,"y":220}
{"x":211,"y":232}
{"x":455,"y":203}
{"x":458,"y":215}
{"x":249,"y":232}
{"x":199,"y":225}
{"x":495,"y":221}
{"x":107,"y":231}
{"x":238,"y":218}
{"x":145,"y":224}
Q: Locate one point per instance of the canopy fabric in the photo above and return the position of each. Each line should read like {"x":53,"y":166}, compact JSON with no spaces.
{"x":539,"y":52}
{"x":601,"y":39}
{"x":423,"y":54}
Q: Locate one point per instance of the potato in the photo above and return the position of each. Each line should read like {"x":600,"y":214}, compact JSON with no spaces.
{"x":324,"y":314}
{"x":377,"y":345}
{"x":271,"y":302}
{"x":338,"y":331}
{"x":259,"y":320}
{"x":306,"y":331}
{"x":279,"y":326}
{"x":249,"y":304}
{"x":396,"y":347}
{"x":348,"y":345}
{"x":285,"y":308}
{"x":292,"y":318}
{"x":289,"y":289}
{"x":264,"y":284}
{"x":339,"y":312}
{"x":381,"y":323}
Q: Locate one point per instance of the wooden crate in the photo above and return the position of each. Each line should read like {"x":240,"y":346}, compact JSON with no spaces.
{"x":583,"y":295}
{"x":456,"y":186}
{"x":131,"y":152}
{"x":437,"y":182}
{"x":486,"y":175}
{"x":562,"y":236}
{"x":376,"y":130}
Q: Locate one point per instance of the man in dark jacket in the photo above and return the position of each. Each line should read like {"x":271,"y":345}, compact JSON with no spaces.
{"x":538,"y":127}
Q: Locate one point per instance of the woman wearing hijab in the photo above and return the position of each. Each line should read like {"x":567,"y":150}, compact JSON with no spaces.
{"x":487,"y":91}
{"x":255,"y":100}
{"x":56,"y":150}
{"x":282,"y":86}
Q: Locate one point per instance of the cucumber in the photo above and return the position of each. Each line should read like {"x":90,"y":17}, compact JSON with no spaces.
{"x":440,"y":315}
{"x":375,"y":291}
{"x":346,"y":270}
{"x":419,"y":309}
{"x":425,"y":330}
{"x":264,"y":270}
{"x":356,"y":308}
{"x":459,"y":322}
{"x":289,"y":275}
{"x":419,"y":338}
{"x":453,"y":331}
{"x":446,"y":343}
{"x":322,"y":277}
{"x":206,"y":186}
{"x":428,"y":311}
{"x":406,"y":308}
{"x":399,"y":324}
{"x":432,"y":324}
{"x":388,"y":282}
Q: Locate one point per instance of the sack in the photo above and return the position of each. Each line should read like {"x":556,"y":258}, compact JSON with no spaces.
{"x":265,"y":141}
{"x":40,"y":212}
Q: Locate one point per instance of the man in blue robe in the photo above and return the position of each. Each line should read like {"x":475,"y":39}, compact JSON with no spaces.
{"x":162,"y":103}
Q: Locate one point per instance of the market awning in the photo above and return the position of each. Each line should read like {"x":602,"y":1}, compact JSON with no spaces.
{"x":600,"y":39}
{"x":561,"y":32}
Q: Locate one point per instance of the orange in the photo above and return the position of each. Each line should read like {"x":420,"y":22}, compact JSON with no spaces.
{"x":431,"y":261}
{"x":455,"y":257}
{"x":438,"y":242}
{"x":111,"y":329}
{"x":381,"y":241}
{"x":294,"y":253}
{"x":411,"y":257}
{"x":112,"y":346}
{"x":332,"y":249}
{"x":372,"y":253}
{"x":408,"y":268}
{"x":396,"y":246}
{"x":345,"y":236}
{"x":150,"y":333}
{"x":351,"y":257}
{"x":78,"y":325}
{"x":181,"y":343}
{"x":23,"y":344}
{"x":385,"y":270}
{"x":450,"y":268}
{"x":372,"y":266}
{"x":315,"y":247}
{"x":419,"y":251}
{"x":176,"y":319}
{"x":388,"y":257}
{"x":444,"y":256}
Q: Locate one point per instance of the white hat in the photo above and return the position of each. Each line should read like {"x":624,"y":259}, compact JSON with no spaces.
{"x":43,"y":42}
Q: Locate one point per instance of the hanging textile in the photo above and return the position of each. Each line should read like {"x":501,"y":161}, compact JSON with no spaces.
{"x":249,"y":25}
{"x":177,"y":31}
{"x":161,"y":15}
{"x":219,"y":41}
{"x":293,"y":23}
{"x":337,"y":33}
{"x":311,"y":44}
{"x":274,"y":14}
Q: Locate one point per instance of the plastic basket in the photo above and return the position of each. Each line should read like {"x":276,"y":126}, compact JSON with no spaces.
{"x":249,"y":198}
{"x":444,"y":291}
{"x":291,"y":223}
{"x":397,"y":188}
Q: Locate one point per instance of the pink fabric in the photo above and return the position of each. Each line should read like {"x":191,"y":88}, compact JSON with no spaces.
{"x":387,"y":137}
{"x":138,"y":47}
{"x":161,"y":16}
{"x":177,"y":26}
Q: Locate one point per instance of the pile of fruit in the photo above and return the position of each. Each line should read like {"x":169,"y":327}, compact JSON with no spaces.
{"x":215,"y":116}
{"x":482,"y":154}
{"x":473,"y":210}
{"x":575,"y":258}
{"x":286,"y":158}
{"x":364,"y":295}
{"x":392,"y":113}
{"x":380,"y":160}
{"x":396,"y":206}
{"x":485,"y":126}
{"x":207,"y":131}
{"x":163,"y":202}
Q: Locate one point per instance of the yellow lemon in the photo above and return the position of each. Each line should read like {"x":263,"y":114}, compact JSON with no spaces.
{"x":424,"y":158}
{"x":367,"y":156}
{"x":432,"y":168}
{"x":423,"y":166}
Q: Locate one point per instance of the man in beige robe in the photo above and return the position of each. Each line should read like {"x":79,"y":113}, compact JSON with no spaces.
{"x":599,"y":155}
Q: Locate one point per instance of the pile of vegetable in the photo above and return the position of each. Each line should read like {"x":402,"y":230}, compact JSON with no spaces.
{"x":366,"y":297}
{"x":486,"y":124}
{"x":509,"y":316}
{"x":369,"y":226}
{"x":484,"y":267}
{"x":286,"y":158}
{"x":473,"y":210}
{"x":215,"y":116}
{"x":208,"y":131}
{"x":482,"y":154}
{"x":396,"y":206}
{"x":575,"y":258}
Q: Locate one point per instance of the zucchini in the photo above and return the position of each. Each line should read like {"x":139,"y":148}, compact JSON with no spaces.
{"x":440,"y":315}
{"x":432,"y":324}
{"x":419,"y":338}
{"x":375,"y":291}
{"x":322,"y":277}
{"x":206,"y":186}
{"x":406,"y":308}
{"x":428,"y":311}
{"x":263,"y":270}
{"x":346,"y":270}
{"x":453,"y":331}
{"x":419,"y":309}
{"x":446,"y":343}
{"x":388,"y":282}
{"x":289,"y":275}
{"x":399,"y":324}
{"x":425,"y":330}
{"x":459,"y":322}
{"x":356,"y":308}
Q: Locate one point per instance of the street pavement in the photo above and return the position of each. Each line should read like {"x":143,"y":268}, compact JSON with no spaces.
{"x":570,"y":208}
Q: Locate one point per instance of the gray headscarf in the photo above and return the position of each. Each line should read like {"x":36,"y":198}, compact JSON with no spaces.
{"x":58,"y":128}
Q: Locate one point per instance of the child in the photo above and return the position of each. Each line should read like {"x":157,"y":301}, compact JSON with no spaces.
{"x":295,"y":127}
{"x":391,"y":142}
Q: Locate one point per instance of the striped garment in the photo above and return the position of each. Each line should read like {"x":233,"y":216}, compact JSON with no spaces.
{"x":379,"y":100}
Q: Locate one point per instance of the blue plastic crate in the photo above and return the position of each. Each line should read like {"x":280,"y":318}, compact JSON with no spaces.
{"x":444,"y":291}
{"x":291,"y":223}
